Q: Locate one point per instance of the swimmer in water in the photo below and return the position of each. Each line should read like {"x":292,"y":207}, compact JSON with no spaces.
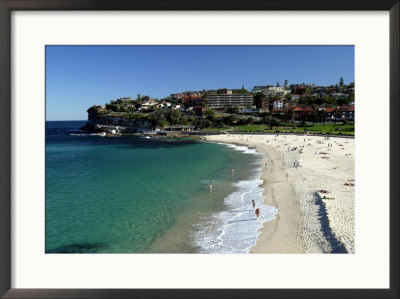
{"x":257,"y":212}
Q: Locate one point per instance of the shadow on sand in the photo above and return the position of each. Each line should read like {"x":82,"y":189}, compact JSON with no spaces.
{"x":337,"y":246}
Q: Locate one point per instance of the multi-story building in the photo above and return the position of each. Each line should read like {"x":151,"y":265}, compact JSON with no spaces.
{"x":271,"y":91}
{"x":216,"y":101}
{"x":260,"y":88}
{"x":277,"y":104}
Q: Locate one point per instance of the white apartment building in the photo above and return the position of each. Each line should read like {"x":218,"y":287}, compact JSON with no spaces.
{"x":226,"y":100}
{"x":277,"y":104}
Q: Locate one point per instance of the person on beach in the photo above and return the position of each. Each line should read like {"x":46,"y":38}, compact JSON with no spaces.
{"x":233,"y":170}
{"x":266,"y":165}
{"x":254,"y":203}
{"x":257,"y":212}
{"x":210,"y":185}
{"x":287,"y":175}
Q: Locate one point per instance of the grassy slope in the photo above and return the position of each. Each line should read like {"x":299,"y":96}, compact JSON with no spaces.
{"x":317,"y":128}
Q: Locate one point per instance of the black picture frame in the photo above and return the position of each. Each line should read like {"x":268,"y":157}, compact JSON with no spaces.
{"x":7,"y":6}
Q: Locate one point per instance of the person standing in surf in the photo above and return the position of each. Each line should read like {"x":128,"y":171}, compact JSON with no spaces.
{"x":254,"y":204}
{"x":257,"y":212}
{"x":211,"y":185}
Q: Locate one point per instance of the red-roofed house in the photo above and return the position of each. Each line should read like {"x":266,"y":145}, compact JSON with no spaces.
{"x":301,"y":112}
{"x":328,"y":112}
{"x":295,"y":97}
{"x":289,"y":104}
{"x":191,"y":100}
{"x":347,"y":111}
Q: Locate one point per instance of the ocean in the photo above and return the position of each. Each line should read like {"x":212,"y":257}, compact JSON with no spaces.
{"x":139,"y":195}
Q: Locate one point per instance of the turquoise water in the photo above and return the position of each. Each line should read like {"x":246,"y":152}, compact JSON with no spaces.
{"x":131,"y":194}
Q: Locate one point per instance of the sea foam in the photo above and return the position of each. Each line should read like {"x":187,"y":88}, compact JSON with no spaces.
{"x":236,"y":230}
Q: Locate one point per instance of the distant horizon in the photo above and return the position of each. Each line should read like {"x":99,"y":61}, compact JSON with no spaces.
{"x":78,"y":77}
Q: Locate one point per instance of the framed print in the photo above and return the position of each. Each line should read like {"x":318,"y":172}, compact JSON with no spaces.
{"x":183,"y":149}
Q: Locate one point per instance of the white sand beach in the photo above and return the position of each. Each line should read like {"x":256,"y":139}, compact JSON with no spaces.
{"x":307,"y":222}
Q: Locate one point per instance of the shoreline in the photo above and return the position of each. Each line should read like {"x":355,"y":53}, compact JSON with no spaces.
{"x":305,"y":222}
{"x":279,"y":234}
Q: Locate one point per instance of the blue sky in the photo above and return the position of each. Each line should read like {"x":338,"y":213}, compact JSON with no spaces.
{"x":78,"y":77}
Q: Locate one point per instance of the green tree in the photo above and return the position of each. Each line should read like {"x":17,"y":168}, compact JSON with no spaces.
{"x":209,"y":114}
{"x":230,"y":120}
{"x":233,"y":110}
{"x":286,"y":83}
{"x":94,"y":108}
{"x":173,"y":116}
{"x":341,"y":81}
{"x":250,"y":120}
{"x":314,"y":113}
{"x":158,"y":118}
{"x":277,"y":84}
{"x":337,"y":113}
{"x":257,"y":98}
{"x":322,"y":115}
{"x":342,"y":101}
{"x":243,"y":90}
{"x":302,"y":100}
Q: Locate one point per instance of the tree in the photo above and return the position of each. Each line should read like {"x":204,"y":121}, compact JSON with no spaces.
{"x":341,"y":81}
{"x":286,"y":83}
{"x":258,"y":97}
{"x":277,"y":84}
{"x":158,"y":118}
{"x":250,"y":120}
{"x":173,"y":116}
{"x":290,"y":115}
{"x":342,"y":101}
{"x":314,"y":113}
{"x":209,"y":114}
{"x":230,"y":120}
{"x":302,"y":100}
{"x":322,"y":115}
{"x":243,"y":90}
{"x":233,"y":110}
{"x":94,"y":108}
{"x":337,"y":113}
